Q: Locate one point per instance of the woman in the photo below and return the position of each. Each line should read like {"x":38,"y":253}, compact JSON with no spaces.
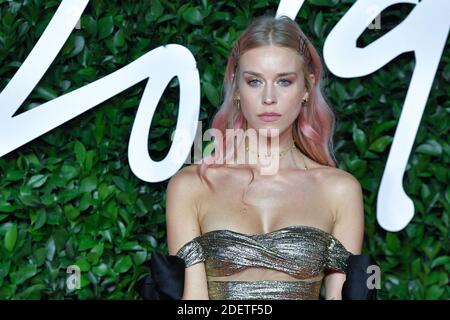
{"x":247,"y":235}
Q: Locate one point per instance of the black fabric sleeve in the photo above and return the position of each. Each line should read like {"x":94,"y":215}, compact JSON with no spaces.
{"x":166,"y":278}
{"x":356,"y":285}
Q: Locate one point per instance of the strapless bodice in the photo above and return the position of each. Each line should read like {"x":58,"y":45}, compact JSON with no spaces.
{"x":303,"y":252}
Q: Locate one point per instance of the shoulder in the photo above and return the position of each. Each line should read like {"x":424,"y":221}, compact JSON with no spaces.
{"x":185,"y":185}
{"x":342,"y":182}
{"x":186,"y":178}
{"x":182,"y":204}
{"x":182,"y":213}
{"x":348,"y":208}
{"x":345,"y":196}
{"x":344,"y":192}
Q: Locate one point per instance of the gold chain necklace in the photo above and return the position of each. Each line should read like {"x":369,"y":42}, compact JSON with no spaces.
{"x":281,"y":154}
{"x":284,"y":152}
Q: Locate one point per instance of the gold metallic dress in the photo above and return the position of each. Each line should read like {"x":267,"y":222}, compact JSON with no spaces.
{"x":303,"y":252}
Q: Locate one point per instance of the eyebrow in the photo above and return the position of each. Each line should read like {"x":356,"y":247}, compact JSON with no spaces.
{"x":260,"y":75}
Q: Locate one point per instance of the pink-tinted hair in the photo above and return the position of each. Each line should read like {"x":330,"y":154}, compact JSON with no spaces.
{"x":314,"y":127}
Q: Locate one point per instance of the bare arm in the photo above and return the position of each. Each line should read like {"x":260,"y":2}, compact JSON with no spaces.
{"x":348,"y":227}
{"x":183,"y":226}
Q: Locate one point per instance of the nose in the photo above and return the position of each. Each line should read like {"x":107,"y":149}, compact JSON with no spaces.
{"x":268,"y":101}
{"x":269,"y":96}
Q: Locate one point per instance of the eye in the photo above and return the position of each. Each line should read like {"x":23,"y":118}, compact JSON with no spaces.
{"x":285,"y":82}
{"x":251,"y":82}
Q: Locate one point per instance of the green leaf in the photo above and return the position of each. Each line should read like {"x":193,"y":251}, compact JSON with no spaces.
{"x":6,"y":206}
{"x":14,"y":175}
{"x":120,"y":182}
{"x":71,"y":212}
{"x":85,"y":202}
{"x":434,"y":292}
{"x":131,"y":245}
{"x":24,"y":273}
{"x":318,"y":24}
{"x":380,"y":144}
{"x":41,"y":218}
{"x":88,"y":73}
{"x":104,"y":191}
{"x":51,"y":247}
{"x":360,"y":139}
{"x":106,"y":234}
{"x":119,"y":39}
{"x":37,"y":181}
{"x":98,"y":249}
{"x":45,"y":92}
{"x":84,"y":281}
{"x":211,"y":93}
{"x":341,"y":91}
{"x":27,"y":196}
{"x":80,"y":152}
{"x":139,"y":257}
{"x":123,"y":264}
{"x":392,"y":242}
{"x":384,"y":126}
{"x":85,"y":243}
{"x":88,"y":184}
{"x":89,"y":160}
{"x":40,"y":255}
{"x":111,"y":211}
{"x":83,"y":264}
{"x":424,"y":191}
{"x":4,"y":269}
{"x":415,"y":267}
{"x":431,"y":148}
{"x":11,"y":237}
{"x":89,"y":24}
{"x":105,"y":27}
{"x":32,"y":293}
{"x":358,"y":167}
{"x":193,"y":16}
{"x":68,"y":172}
{"x":100,"y":270}
{"x":78,"y":46}
{"x":156,"y":8}
{"x":444,"y":260}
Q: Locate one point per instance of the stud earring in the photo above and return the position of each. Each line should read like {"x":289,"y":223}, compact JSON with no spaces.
{"x":304,"y":100}
{"x":305,"y":97}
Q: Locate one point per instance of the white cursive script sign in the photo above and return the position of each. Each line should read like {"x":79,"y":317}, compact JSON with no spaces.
{"x":159,"y":66}
{"x":423,"y":32}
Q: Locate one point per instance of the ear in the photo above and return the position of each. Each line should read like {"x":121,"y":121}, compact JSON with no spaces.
{"x":313,"y":79}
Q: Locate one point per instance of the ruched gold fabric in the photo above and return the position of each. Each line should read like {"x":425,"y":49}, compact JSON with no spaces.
{"x":303,"y":252}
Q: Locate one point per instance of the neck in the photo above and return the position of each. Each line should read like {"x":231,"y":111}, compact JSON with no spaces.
{"x":264,"y":152}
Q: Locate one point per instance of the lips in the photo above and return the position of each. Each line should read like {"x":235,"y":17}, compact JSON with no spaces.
{"x":269,"y":116}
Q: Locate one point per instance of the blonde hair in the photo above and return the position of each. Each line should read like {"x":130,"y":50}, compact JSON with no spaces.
{"x":314,"y":127}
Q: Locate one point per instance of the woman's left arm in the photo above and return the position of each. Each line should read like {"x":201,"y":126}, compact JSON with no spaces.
{"x":347,"y":198}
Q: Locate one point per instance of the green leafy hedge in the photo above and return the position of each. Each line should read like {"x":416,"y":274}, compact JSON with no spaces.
{"x":69,"y":197}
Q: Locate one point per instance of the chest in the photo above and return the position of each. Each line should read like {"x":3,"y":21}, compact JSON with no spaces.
{"x":259,"y":204}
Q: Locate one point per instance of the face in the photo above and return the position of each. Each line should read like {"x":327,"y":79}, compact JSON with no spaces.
{"x":271,"y":81}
